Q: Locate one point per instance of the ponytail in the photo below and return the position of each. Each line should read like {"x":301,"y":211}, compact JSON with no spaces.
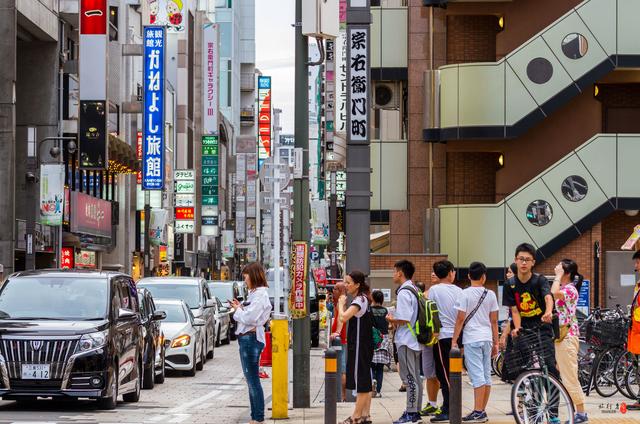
{"x":570,"y":267}
{"x":579,"y":278}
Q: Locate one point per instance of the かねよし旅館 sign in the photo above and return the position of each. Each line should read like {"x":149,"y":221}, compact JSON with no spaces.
{"x":90,"y":215}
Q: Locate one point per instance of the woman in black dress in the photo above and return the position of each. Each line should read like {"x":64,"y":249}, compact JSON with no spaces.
{"x":359,"y":344}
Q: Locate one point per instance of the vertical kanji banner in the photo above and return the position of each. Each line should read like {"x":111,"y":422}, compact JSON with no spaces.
{"x":299,"y":263}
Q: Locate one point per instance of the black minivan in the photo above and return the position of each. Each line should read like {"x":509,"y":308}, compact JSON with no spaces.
{"x":74,"y":334}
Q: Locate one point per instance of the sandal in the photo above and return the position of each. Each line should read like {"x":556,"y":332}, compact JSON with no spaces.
{"x":366,"y":420}
{"x":350,"y":420}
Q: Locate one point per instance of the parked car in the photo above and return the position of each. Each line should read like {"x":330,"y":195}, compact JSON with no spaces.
{"x":185,"y":351}
{"x":223,"y":319}
{"x":195,"y":293}
{"x":314,"y":303}
{"x":153,"y":351}
{"x":225,"y":291}
{"x":70,"y":334}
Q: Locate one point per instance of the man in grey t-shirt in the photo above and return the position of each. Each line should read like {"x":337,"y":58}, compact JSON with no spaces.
{"x":408,"y":347}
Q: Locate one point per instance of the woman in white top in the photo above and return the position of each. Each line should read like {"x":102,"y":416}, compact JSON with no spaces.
{"x":251,"y":317}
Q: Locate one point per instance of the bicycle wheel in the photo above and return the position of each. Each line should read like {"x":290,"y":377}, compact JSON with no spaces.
{"x":632,"y":382}
{"x":537,"y":397}
{"x":499,"y":364}
{"x":605,"y":381}
{"x":623,"y":365}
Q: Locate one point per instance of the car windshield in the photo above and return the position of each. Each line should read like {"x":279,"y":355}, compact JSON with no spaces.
{"x":55,"y":298}
{"x":223,"y":292}
{"x":175,"y":312}
{"x":190,"y":293}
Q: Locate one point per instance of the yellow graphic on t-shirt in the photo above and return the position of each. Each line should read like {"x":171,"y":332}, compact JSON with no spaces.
{"x":527,"y":305}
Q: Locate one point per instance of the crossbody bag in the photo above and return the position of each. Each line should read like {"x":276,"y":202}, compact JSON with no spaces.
{"x":471,"y":314}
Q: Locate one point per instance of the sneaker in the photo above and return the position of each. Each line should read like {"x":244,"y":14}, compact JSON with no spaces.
{"x":581,"y":418}
{"x":554,"y":420}
{"x":430,"y":410}
{"x":634,"y":406}
{"x":440,"y":418}
{"x":476,"y":417}
{"x":408,"y":417}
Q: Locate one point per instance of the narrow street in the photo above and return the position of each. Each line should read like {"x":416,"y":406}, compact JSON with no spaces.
{"x":218,"y":394}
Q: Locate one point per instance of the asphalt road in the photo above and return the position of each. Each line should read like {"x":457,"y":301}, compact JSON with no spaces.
{"x":218,"y":394}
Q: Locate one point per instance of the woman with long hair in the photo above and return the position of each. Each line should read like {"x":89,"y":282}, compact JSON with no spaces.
{"x":565,"y":290}
{"x":359,"y":344}
{"x":251,"y":317}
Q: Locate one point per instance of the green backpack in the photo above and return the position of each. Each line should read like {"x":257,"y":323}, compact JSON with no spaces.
{"x":427,"y":325}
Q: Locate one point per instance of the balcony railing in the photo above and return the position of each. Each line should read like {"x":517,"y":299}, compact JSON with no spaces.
{"x":247,"y":81}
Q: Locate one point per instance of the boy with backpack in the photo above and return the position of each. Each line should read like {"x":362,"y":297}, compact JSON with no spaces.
{"x":444,"y":294}
{"x":408,"y":347}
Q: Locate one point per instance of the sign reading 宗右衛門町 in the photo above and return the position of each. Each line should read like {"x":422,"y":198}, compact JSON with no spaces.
{"x":153,"y":110}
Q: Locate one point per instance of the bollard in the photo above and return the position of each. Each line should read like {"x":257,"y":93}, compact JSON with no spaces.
{"x":336,"y":344}
{"x":280,"y":370}
{"x":455,"y":386}
{"x":330,"y":393}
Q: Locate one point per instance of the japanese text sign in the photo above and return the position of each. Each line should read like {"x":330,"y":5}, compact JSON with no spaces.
{"x":153,"y":111}
{"x":67,"y":258}
{"x":210,"y":58}
{"x":209,"y":168}
{"x":185,"y":187}
{"x":358,"y":84}
{"x":297,"y":303}
{"x":264,"y":118}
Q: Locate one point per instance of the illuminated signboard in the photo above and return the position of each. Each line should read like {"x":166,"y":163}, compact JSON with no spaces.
{"x":153,"y":110}
{"x":209,"y":185}
{"x":264,"y":118}
{"x":67,"y":258}
{"x":210,"y":57}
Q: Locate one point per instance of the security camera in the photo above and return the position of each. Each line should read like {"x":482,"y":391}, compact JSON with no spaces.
{"x":54,"y":152}
{"x":31,"y":177}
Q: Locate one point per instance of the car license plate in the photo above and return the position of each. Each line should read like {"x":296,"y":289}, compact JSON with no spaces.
{"x":35,"y":372}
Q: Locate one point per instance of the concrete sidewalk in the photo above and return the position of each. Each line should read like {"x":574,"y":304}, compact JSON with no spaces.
{"x":392,"y":403}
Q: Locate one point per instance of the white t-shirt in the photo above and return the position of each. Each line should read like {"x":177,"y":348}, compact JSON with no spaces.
{"x":406,"y":310}
{"x":478,"y":329}
{"x":363,"y":303}
{"x":446,"y":295}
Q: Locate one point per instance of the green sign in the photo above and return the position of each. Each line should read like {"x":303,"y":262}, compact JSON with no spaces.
{"x":210,"y":170}
{"x":210,"y":191}
{"x":210,"y":200}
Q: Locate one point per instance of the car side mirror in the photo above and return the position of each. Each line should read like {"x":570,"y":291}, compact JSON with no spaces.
{"x":210,"y":303}
{"x":125,"y":315}
{"x":159,"y":315}
{"x":199,"y":322}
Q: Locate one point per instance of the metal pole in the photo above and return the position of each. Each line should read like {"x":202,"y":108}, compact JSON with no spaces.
{"x":147,"y":244}
{"x":358,"y":194}
{"x":280,"y":367}
{"x":336,"y":344}
{"x":286,"y":259}
{"x":455,"y":390}
{"x":330,"y":393}
{"x":301,"y":326}
{"x":275,"y":229}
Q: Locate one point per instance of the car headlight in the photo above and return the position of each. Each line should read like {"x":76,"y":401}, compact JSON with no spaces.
{"x":92,"y":341}
{"x":181,"y":341}
{"x":313,"y":316}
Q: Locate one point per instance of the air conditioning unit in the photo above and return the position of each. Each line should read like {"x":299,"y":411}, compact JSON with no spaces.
{"x":387,"y":95}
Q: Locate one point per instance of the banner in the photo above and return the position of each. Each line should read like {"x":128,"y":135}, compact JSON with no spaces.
{"x":209,"y":185}
{"x":358,"y":84}
{"x":51,"y":194}
{"x":157,"y":223}
{"x":153,"y":110}
{"x":90,"y":215}
{"x":228,"y":244}
{"x":319,"y":222}
{"x":264,"y":118}
{"x":210,"y":65}
{"x":299,"y":263}
{"x":169,"y":13}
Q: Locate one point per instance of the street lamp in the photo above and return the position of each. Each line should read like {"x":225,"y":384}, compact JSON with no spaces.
{"x":32,"y":177}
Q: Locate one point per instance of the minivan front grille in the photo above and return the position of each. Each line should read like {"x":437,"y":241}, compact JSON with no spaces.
{"x":54,"y":352}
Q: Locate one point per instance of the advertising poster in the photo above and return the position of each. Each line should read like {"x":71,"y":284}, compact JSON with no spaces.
{"x":264,"y":118}
{"x":228,"y":244}
{"x":51,"y":194}
{"x":319,"y":222}
{"x":169,"y":13}
{"x":157,"y":223}
{"x":299,"y":264}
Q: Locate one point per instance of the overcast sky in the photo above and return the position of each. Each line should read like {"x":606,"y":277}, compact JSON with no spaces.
{"x":275,"y":54}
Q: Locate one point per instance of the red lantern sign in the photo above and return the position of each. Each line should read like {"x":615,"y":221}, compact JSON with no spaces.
{"x":185,"y":213}
{"x":66,"y":258}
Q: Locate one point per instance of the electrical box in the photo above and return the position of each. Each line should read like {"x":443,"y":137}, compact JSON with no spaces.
{"x":320,"y":18}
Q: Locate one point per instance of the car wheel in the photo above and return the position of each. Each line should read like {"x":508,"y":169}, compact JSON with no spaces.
{"x":111,"y":402}
{"x":200,"y":365}
{"x":192,"y":372}
{"x":135,"y":395}
{"x":148,"y":378}
{"x":159,"y":378}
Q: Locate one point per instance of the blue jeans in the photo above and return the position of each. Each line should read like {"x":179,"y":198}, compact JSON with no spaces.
{"x":250,"y":349}
{"x":477,"y":358}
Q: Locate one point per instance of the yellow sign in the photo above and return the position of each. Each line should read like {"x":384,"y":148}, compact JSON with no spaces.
{"x":633,"y":238}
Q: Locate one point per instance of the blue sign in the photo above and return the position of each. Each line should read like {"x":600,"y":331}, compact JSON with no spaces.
{"x":584,"y":299}
{"x":153,"y":110}
{"x":264,"y":82}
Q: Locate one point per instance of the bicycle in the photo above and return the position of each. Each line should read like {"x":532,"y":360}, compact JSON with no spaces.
{"x":537,"y":397}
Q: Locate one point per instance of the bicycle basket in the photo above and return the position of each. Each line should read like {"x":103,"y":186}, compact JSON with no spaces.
{"x":526,"y":352}
{"x":607,"y":332}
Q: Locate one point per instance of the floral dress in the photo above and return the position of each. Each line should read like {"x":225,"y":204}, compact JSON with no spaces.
{"x":566,"y":309}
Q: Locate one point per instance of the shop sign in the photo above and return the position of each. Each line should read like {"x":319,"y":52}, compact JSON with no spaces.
{"x":184,"y":175}
{"x":209,"y":221}
{"x":67,"y":258}
{"x":90,"y":215}
{"x":228,"y":244}
{"x":51,"y":194}
{"x":153,"y":110}
{"x":358,"y":84}
{"x":209,"y":185}
{"x":185,"y":200}
{"x":264,"y":118}
{"x":169,"y":13}
{"x":319,"y":222}
{"x":186,"y":226}
{"x":163,"y":253}
{"x":86,"y":259}
{"x":139,"y":155}
{"x":341,"y":219}
{"x":157,"y":226}
{"x":584,"y":298}
{"x":320,"y":275}
{"x":299,"y":278}
{"x":210,"y":78}
{"x":185,"y":213}
{"x":188,"y":187}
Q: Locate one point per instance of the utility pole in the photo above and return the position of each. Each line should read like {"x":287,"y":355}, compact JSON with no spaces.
{"x":358,"y":194}
{"x":301,"y":230}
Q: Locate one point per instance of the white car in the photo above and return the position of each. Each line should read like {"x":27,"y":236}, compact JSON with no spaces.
{"x":184,"y":348}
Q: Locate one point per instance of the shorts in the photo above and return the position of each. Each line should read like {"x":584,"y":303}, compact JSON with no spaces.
{"x":477,"y":359}
{"x":428,"y":364}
